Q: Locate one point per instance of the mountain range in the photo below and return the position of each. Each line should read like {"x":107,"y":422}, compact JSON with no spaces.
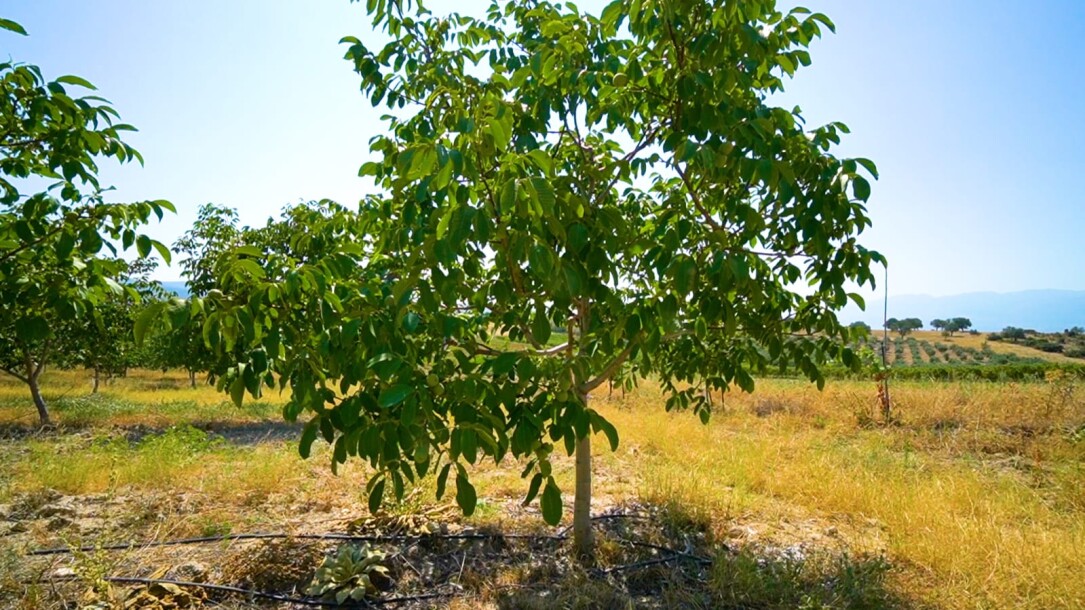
{"x":1041,"y":310}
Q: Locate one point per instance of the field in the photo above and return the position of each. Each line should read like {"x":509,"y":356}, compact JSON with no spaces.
{"x":973,"y":499}
{"x":930,"y":347}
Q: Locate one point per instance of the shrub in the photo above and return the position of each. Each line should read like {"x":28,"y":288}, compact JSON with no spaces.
{"x":1076,"y":351}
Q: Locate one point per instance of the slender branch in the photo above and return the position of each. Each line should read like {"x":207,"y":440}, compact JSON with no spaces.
{"x":550,"y":351}
{"x":696,"y":198}
{"x":610,"y":369}
{"x":15,"y":375}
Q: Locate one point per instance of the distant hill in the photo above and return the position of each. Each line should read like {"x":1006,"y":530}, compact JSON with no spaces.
{"x":177,"y":288}
{"x":1042,"y":310}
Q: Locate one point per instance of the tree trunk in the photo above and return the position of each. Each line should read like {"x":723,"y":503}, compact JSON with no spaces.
{"x":582,"y":536}
{"x":192,"y":379}
{"x":97,"y":380}
{"x":39,"y":402}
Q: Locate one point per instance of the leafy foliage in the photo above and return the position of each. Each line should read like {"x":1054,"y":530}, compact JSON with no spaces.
{"x":51,"y":241}
{"x":621,"y":176}
{"x":352,"y":574}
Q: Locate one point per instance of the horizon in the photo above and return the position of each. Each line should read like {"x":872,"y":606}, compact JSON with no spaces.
{"x":250,"y":105}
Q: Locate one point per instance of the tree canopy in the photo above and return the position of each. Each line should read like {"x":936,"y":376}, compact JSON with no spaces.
{"x":52,"y":269}
{"x":622,"y":176}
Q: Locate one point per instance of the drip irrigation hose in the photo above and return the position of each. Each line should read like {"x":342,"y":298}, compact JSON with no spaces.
{"x":673,"y":555}
{"x":266,"y":536}
{"x":279,"y":597}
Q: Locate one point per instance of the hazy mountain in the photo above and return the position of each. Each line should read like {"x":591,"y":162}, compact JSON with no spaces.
{"x":1042,"y":310}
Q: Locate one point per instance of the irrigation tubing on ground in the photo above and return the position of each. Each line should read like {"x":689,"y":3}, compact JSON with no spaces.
{"x":279,"y":597}
{"x":262,"y":536}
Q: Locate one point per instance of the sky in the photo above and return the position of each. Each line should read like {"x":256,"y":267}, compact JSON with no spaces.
{"x":971,"y":109}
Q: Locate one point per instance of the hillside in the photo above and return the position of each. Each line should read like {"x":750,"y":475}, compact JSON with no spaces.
{"x":1042,"y":310}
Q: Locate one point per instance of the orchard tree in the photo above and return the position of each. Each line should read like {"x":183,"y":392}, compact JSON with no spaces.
{"x":620,"y":175}
{"x":904,"y":327}
{"x":50,"y":269}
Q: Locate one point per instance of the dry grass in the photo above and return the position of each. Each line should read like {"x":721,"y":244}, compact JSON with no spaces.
{"x":975,"y":496}
{"x":999,"y":347}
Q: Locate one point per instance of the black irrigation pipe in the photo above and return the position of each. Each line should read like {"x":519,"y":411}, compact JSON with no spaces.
{"x":263,"y":536}
{"x":275,"y":596}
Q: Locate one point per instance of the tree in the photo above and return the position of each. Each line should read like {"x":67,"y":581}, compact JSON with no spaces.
{"x":862,"y":327}
{"x":952,"y":325}
{"x":50,"y":271}
{"x":1013,"y":333}
{"x":622,"y":176}
{"x":905,"y":326}
{"x":959,"y":324}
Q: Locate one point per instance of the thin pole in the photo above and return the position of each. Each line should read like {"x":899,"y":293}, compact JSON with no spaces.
{"x":887,"y":405}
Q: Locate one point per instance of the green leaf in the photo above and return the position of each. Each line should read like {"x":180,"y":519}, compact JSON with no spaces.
{"x":508,"y":195}
{"x":392,"y":396}
{"x":540,"y":326}
{"x":11,"y":26}
{"x":376,"y":496}
{"x":442,"y":480}
{"x":75,"y":80}
{"x":533,"y":488}
{"x":150,"y":314}
{"x":466,"y":497}
{"x":551,"y":503}
{"x":65,"y":245}
{"x":308,"y":435}
{"x":32,"y":329}
{"x":600,"y":424}
{"x":861,"y":188}
{"x":237,"y":390}
{"x":143,"y":246}
{"x":544,"y":193}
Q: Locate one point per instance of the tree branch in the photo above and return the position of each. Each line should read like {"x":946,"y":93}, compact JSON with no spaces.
{"x":609,"y":371}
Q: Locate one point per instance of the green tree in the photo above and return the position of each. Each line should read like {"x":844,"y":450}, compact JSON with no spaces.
{"x":958,"y":325}
{"x":622,"y":176}
{"x":1013,"y":333}
{"x":904,"y":327}
{"x":50,"y":269}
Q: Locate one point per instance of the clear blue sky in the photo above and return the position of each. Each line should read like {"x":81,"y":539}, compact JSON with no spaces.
{"x":973,"y":111}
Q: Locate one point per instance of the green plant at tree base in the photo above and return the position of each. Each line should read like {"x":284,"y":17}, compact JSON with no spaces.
{"x":619,"y":175}
{"x":353,"y":573}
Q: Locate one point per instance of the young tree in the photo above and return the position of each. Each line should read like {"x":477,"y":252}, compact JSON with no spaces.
{"x":622,"y":176}
{"x":50,"y":271}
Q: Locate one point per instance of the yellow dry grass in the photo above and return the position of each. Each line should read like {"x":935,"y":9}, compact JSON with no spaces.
{"x":976,"y":494}
{"x":999,"y":347}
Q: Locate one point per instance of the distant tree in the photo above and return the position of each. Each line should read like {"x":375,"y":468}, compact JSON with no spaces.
{"x":905,"y":326}
{"x":51,"y":273}
{"x":938,"y":324}
{"x":179,"y":344}
{"x":959,"y":324}
{"x":862,"y":327}
{"x":1013,"y":333}
{"x":214,"y":233}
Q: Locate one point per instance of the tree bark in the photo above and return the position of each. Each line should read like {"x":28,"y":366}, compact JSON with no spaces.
{"x":33,"y":373}
{"x":39,"y":402}
{"x":582,"y":535}
{"x":192,"y":379}
{"x":97,"y":380}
